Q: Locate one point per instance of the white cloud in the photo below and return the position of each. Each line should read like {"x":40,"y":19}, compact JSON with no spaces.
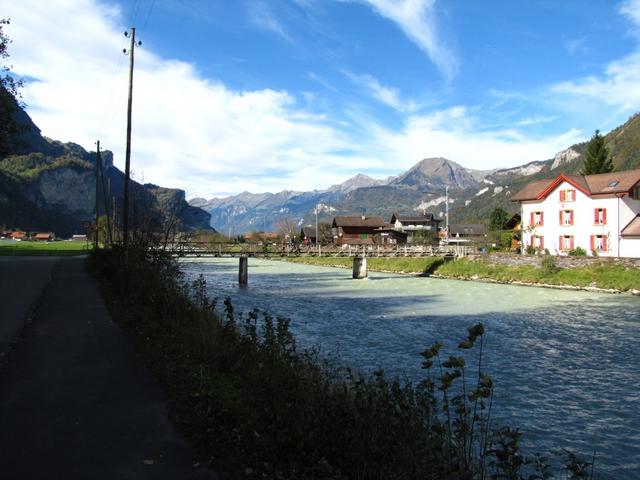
{"x":455,"y":134}
{"x":417,"y":20}
{"x":198,"y":134}
{"x":617,"y":87}
{"x":262,"y":16}
{"x":387,"y":95}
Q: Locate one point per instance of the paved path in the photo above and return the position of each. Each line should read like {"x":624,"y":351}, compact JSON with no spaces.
{"x":75,"y":401}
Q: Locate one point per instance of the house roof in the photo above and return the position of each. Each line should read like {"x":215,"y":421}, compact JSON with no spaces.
{"x":359,"y":221}
{"x":413,"y":218}
{"x":309,"y":232}
{"x":633,"y":228}
{"x":600,"y":184}
{"x":44,"y":235}
{"x":512,"y":222}
{"x":467,"y":229}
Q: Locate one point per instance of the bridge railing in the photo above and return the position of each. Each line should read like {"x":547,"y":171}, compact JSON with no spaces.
{"x":326,"y":250}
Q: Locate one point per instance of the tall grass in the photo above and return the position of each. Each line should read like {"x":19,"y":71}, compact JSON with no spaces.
{"x":255,"y":406}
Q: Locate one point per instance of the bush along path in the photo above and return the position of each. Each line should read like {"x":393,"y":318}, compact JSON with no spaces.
{"x":254,"y":406}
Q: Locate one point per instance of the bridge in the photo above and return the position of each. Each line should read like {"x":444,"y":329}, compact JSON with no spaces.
{"x":209,"y":249}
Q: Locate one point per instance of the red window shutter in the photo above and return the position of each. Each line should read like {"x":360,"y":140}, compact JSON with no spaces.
{"x":560,"y":220}
{"x":571,"y":242}
{"x":593,"y":243}
{"x":604,"y":216}
{"x":560,"y":243}
{"x":532,"y":219}
{"x":541,"y":243}
{"x":570,"y":217}
{"x":604,"y":243}
{"x":541,"y":219}
{"x":595,"y":217}
{"x":563,"y":195}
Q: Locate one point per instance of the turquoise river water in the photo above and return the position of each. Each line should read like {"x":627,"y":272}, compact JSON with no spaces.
{"x":565,"y":364}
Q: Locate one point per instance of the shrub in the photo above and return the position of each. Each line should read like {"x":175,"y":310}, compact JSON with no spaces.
{"x":548,"y":265}
{"x":578,"y":252}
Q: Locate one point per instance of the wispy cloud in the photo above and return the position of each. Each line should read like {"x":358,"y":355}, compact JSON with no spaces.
{"x":264,"y":18}
{"x":576,"y":46}
{"x":387,"y":95}
{"x":417,"y":19}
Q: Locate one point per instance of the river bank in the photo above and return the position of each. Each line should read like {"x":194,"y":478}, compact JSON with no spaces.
{"x":603,"y":277}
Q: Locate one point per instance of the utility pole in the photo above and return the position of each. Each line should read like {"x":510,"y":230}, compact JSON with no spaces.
{"x":446,"y":214}
{"x":317,"y":238}
{"x":105,"y":195}
{"x":96,"y":213}
{"x":127,"y":167}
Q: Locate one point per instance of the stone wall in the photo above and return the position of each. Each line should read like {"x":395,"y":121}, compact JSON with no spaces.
{"x":561,"y":261}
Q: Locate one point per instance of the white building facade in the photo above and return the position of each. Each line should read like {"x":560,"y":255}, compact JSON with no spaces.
{"x":598,"y":213}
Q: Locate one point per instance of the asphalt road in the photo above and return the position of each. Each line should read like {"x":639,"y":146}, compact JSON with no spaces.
{"x":22,"y":280}
{"x":76,"y":402}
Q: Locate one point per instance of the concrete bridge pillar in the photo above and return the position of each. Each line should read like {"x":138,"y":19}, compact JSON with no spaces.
{"x":243,"y":274}
{"x":359,"y":267}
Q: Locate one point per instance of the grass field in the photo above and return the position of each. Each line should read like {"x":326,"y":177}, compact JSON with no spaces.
{"x":11,"y":247}
{"x":601,"y":276}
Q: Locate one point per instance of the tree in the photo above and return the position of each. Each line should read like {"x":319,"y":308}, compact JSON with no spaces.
{"x":497,"y":219}
{"x":10,"y":98}
{"x":596,"y":157}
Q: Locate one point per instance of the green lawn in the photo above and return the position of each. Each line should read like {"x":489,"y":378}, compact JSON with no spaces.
{"x":600,"y":276}
{"x":395,"y":264}
{"x":11,"y":247}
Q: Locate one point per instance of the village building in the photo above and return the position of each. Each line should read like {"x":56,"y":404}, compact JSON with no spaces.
{"x":415,"y":226}
{"x":308,"y":235}
{"x":467,"y":231}
{"x":19,"y":235}
{"x":598,"y":213}
{"x":357,"y":230}
{"x":44,"y":236}
{"x":389,"y":235}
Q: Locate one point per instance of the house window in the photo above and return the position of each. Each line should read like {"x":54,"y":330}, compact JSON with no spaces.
{"x":600,"y":216}
{"x":566,"y":217}
{"x":598,"y":243}
{"x":567,"y":195}
{"x":537,"y":218}
{"x":636,"y":192}
{"x":566,"y":243}
{"x":537,"y":241}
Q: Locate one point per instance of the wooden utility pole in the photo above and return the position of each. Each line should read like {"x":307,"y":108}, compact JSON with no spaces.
{"x":104,"y":197}
{"x":127,"y":165}
{"x":96,"y":213}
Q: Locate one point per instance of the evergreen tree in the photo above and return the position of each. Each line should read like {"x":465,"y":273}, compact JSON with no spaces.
{"x":596,"y":157}
{"x":10,"y":98}
{"x":497,"y":219}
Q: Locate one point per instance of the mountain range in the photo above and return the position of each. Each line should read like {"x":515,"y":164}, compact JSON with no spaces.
{"x":473,"y":194}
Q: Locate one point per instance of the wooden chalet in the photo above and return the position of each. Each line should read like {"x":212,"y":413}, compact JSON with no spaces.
{"x":471,"y":231}
{"x":357,"y":230}
{"x":44,"y":236}
{"x":19,"y":235}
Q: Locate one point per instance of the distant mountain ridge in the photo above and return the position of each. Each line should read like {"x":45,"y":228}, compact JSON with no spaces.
{"x":473,"y":194}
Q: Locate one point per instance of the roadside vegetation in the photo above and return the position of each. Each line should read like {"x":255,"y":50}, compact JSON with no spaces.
{"x":60,"y":248}
{"x":255,"y":406}
{"x":606,"y":276}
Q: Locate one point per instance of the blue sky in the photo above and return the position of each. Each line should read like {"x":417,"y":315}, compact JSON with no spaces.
{"x":266,"y":95}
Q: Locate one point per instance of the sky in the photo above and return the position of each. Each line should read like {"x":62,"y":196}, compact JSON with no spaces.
{"x":271,"y":95}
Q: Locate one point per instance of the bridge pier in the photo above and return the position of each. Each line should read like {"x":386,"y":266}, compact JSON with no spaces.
{"x":243,"y":274}
{"x":359,"y":267}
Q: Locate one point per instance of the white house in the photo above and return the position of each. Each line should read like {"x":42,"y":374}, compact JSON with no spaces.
{"x":599,"y":213}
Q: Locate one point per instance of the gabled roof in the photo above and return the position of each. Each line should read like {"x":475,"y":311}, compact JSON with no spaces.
{"x":600,"y":184}
{"x":358,"y":221}
{"x":428,"y":217}
{"x":309,"y":232}
{"x":467,"y":229}
{"x":633,"y":228}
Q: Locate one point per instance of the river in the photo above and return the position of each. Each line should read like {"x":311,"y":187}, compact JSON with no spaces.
{"x":565,"y":364}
